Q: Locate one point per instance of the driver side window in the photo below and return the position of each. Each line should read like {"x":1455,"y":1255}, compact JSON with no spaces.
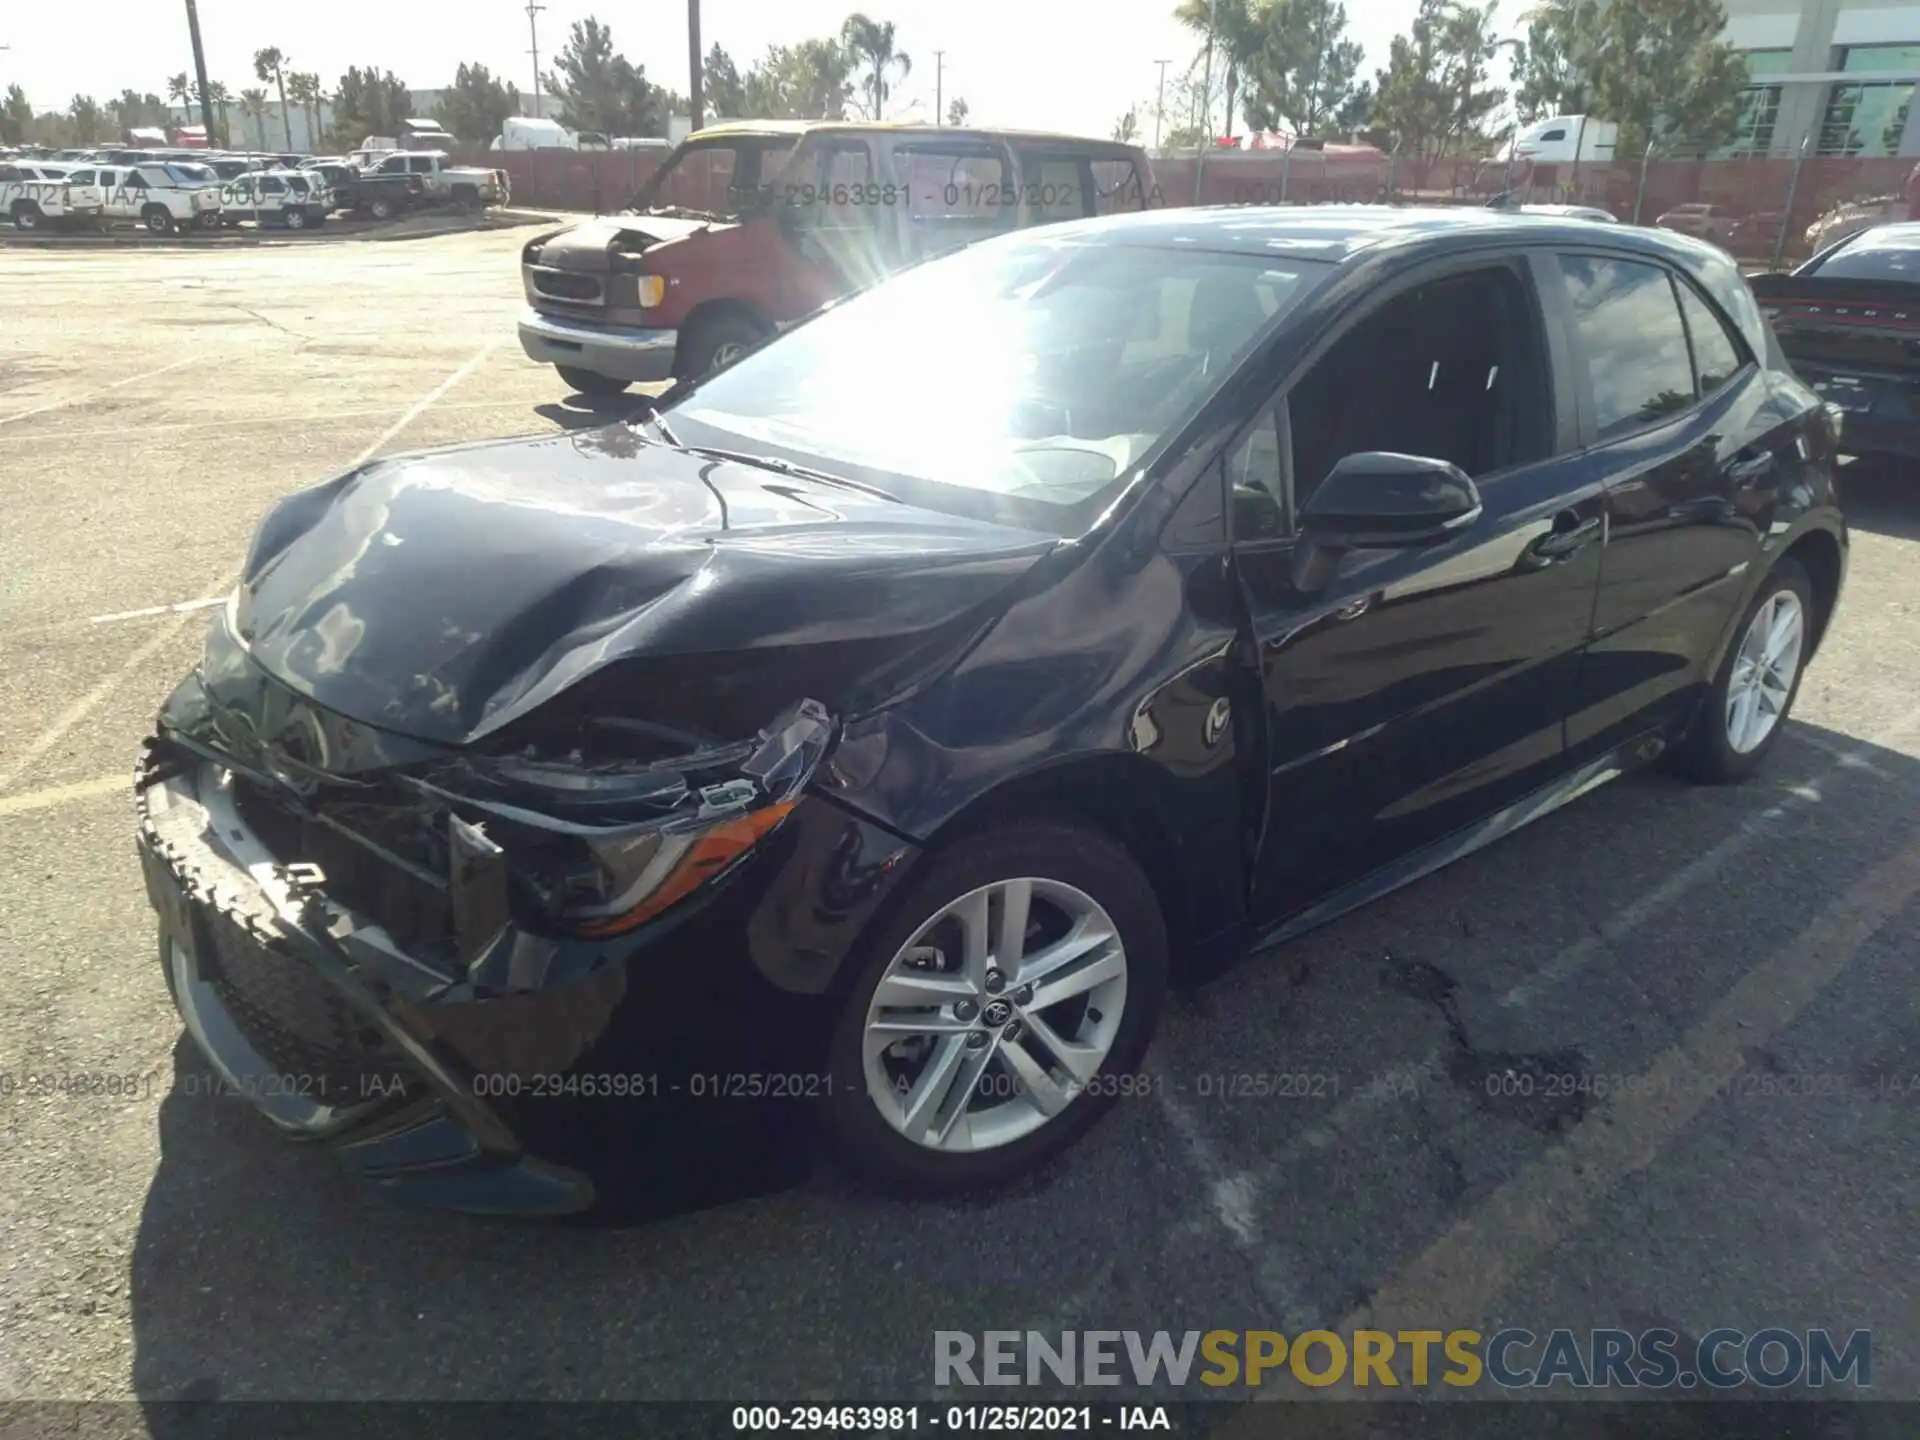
{"x":1454,"y":369}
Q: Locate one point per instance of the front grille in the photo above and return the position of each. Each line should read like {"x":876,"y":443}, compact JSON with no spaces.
{"x":563,"y":285}
{"x":298,"y":1023}
{"x":415,"y":912}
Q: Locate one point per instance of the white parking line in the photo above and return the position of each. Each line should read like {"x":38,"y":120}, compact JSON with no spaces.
{"x":63,"y":794}
{"x":88,"y":703}
{"x":93,"y":394}
{"x":181,"y":608}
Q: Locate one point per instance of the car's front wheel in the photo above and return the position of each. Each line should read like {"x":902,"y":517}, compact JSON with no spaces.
{"x":1747,"y":707}
{"x":158,"y":219}
{"x":1005,"y":1004}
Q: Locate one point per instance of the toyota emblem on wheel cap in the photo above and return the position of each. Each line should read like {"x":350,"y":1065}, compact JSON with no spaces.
{"x":998,"y":1012}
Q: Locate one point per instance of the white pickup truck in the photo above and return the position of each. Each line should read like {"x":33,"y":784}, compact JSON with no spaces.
{"x":467,"y":186}
{"x":35,"y":194}
{"x":176,"y":195}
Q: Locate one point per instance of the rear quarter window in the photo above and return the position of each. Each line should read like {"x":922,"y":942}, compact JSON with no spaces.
{"x":1630,"y":334}
{"x":1118,"y":187}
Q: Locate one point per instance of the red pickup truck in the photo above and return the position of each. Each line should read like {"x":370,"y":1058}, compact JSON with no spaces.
{"x":749,"y":226}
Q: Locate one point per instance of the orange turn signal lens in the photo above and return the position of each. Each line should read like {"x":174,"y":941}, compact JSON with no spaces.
{"x":706,"y":857}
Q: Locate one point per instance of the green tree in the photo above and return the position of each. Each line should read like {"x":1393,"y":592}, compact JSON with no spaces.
{"x":809,"y":81}
{"x":180,"y":92}
{"x":1658,"y":68}
{"x":303,"y":89}
{"x":1234,"y":28}
{"x":367,"y":102}
{"x":16,"y":114}
{"x":271,"y":64}
{"x":1127,"y":127}
{"x":476,"y":106}
{"x":1305,"y":76}
{"x":957,"y":111}
{"x":725,"y":93}
{"x":600,"y":89}
{"x":219,"y":98}
{"x":89,"y":121}
{"x":253,"y":105}
{"x":870,"y":44}
{"x":1434,"y":97}
{"x":133,"y":109}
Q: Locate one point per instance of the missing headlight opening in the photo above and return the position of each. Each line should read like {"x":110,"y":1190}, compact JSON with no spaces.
{"x":602,"y":850}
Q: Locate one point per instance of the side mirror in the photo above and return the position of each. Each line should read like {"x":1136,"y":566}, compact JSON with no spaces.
{"x":1377,"y":498}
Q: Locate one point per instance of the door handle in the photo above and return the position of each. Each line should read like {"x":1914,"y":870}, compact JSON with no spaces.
{"x":1562,"y":543}
{"x":1745,"y":472}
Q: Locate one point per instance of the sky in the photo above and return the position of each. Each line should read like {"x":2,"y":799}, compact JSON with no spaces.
{"x":1074,"y":65}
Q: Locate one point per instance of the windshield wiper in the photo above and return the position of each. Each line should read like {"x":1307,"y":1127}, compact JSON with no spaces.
{"x":783,"y":467}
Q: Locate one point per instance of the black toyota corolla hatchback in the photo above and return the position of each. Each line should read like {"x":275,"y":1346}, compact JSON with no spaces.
{"x":867,"y":737}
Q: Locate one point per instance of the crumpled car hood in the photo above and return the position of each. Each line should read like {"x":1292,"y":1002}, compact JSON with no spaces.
{"x":587,"y":246}
{"x":445,"y":594}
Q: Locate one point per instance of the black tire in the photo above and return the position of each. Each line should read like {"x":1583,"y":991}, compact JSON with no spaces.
{"x":296,"y":219}
{"x":589,"y":382}
{"x":863,"y":1139}
{"x":466,"y":199}
{"x":27,"y":215}
{"x":380,"y":208}
{"x":721,"y":336}
{"x":158,"y":219}
{"x":1706,"y":755}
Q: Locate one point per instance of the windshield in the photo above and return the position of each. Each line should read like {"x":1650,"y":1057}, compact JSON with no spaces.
{"x":1021,"y":380}
{"x":711,"y":177}
{"x":190,"y":174}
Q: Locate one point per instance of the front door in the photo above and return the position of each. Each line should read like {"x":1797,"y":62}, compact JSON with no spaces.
{"x":1412,"y":692}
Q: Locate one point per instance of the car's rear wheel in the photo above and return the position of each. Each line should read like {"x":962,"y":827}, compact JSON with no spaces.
{"x":1746,"y":709}
{"x":590,"y":382}
{"x":158,"y":219}
{"x":27,"y":215}
{"x":380,"y":208}
{"x":1002,"y":1006}
{"x":296,"y":219}
{"x":717,"y":342}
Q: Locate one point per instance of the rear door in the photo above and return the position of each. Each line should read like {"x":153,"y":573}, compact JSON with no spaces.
{"x":1680,"y":427}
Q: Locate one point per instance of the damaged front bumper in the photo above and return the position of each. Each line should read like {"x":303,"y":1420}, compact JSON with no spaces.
{"x":464,"y":1057}
{"x":294,"y":1006}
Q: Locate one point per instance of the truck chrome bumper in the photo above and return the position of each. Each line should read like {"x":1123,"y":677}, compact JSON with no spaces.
{"x":642,"y":355}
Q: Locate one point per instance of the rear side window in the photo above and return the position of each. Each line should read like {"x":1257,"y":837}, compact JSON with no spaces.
{"x":1054,"y":188}
{"x":1716,"y":355}
{"x":1628,"y":325}
{"x":1118,"y":187}
{"x":8,"y":172}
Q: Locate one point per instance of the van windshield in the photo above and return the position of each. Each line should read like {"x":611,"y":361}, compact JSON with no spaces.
{"x":709,"y":179}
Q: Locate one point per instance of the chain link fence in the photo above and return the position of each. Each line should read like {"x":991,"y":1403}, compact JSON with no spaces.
{"x":1767,"y":211}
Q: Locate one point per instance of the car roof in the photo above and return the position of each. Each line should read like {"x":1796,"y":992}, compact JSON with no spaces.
{"x":945,"y":132}
{"x":1334,"y":232}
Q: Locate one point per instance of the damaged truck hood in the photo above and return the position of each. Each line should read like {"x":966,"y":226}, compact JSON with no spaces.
{"x":446,"y":594}
{"x":589,"y":245}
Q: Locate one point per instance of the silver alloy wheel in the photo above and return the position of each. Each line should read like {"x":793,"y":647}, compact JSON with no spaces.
{"x":993,"y":1017}
{"x":726,"y":354}
{"x":1763,"y":671}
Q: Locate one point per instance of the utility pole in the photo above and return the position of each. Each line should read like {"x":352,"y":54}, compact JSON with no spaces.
{"x":694,"y":107}
{"x":1160,"y":102}
{"x":1206,"y":103}
{"x":533,"y":31}
{"x":939,"y":100}
{"x":200,"y":72}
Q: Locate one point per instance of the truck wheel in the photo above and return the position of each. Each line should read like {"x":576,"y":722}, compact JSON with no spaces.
{"x":466,"y":198}
{"x":27,"y":216}
{"x":589,"y":382}
{"x":380,"y":208}
{"x":296,"y":219}
{"x":158,"y":219}
{"x":717,"y":343}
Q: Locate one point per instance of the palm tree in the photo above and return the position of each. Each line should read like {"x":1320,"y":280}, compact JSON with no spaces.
{"x":253,"y":105}
{"x":181,"y":89}
{"x":870,"y":43}
{"x":304,"y":89}
{"x":219,"y":99}
{"x":1232,"y":29}
{"x":270,"y":64}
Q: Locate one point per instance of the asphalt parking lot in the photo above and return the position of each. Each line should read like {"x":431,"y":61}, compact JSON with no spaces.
{"x":167,"y":1244}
